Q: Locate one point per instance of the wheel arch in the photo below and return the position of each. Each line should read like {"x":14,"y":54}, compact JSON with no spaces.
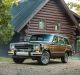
{"x":69,"y":53}
{"x":47,"y":50}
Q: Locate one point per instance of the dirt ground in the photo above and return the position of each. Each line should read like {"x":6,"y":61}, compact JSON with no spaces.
{"x":55,"y":67}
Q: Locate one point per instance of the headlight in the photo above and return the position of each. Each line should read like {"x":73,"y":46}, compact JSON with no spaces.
{"x":36,"y":47}
{"x":12,"y":46}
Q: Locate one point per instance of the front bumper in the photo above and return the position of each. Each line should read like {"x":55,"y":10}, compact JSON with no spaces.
{"x":10,"y":52}
{"x":24,"y":53}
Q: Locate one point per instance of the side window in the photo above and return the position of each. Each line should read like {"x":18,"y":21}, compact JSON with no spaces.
{"x":55,"y":40}
{"x":61,"y":41}
{"x":66,"y":41}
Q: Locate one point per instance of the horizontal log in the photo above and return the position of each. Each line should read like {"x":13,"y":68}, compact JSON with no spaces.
{"x":49,"y":20}
{"x":51,"y":12}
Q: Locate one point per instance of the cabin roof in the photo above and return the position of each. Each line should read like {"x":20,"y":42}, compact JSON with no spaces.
{"x":22,"y":12}
{"x":76,"y":16}
{"x":25,"y":11}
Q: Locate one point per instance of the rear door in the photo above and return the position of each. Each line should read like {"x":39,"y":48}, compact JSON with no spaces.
{"x":68,"y":46}
{"x":62,"y":45}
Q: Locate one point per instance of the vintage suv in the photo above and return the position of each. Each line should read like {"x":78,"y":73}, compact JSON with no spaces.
{"x":42,"y":47}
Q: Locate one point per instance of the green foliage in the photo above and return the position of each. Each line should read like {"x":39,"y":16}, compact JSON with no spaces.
{"x":4,"y":59}
{"x":6,"y":33}
{"x":75,"y":6}
{"x":78,"y":38}
{"x":6,"y":29}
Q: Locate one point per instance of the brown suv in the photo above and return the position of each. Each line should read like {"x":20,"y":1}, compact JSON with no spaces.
{"x":41,"y":47}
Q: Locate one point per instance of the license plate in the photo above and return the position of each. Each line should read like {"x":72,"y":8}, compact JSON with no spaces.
{"x":22,"y":53}
{"x":23,"y":50}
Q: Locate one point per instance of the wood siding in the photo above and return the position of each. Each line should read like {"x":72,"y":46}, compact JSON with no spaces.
{"x":51,"y":12}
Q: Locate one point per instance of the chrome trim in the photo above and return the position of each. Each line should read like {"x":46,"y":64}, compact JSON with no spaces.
{"x":22,"y":53}
{"x":10,"y":52}
{"x":36,"y":53}
{"x":58,"y":52}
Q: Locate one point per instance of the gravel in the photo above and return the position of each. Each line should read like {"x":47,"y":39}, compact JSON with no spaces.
{"x":33,"y":68}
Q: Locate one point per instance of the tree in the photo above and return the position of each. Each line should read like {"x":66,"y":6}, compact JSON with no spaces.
{"x":74,"y":6}
{"x":6,"y":29}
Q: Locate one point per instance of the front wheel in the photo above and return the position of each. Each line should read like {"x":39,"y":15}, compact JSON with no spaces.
{"x":64,"y":59}
{"x":18,"y":60}
{"x":45,"y":58}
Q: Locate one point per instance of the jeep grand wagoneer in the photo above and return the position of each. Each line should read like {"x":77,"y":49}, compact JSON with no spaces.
{"x":41,"y":47}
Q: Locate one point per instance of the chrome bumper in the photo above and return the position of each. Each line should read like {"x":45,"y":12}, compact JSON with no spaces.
{"x":22,"y":53}
{"x":25,"y":53}
{"x":36,"y":53}
{"x":10,"y":52}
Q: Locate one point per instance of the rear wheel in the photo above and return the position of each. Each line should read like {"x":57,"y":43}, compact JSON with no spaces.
{"x":18,"y":60}
{"x":64,"y":59}
{"x":45,"y":58}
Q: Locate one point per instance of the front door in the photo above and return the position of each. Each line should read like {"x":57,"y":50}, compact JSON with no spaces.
{"x":54,"y":47}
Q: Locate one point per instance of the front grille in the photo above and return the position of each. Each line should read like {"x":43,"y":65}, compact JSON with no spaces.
{"x":24,"y":46}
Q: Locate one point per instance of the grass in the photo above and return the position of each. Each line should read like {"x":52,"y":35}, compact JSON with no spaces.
{"x":5,"y":59}
{"x":76,"y":58}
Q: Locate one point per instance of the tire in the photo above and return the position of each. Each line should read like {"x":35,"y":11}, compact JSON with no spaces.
{"x":45,"y":58}
{"x":64,"y":59}
{"x":18,"y":60}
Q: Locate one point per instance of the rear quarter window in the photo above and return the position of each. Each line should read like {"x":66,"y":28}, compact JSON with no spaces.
{"x":66,"y":41}
{"x":61,"y":40}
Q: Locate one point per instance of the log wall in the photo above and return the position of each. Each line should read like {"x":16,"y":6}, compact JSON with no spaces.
{"x":52,"y":12}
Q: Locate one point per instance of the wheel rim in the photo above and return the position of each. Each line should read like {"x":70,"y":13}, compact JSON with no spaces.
{"x":45,"y":57}
{"x":66,"y":57}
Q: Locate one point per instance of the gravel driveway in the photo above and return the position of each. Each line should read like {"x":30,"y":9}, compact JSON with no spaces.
{"x":33,"y":68}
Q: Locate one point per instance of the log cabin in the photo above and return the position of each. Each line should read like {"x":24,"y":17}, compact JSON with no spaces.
{"x":44,"y":16}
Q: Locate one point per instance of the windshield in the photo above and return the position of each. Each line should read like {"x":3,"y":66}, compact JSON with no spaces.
{"x":41,"y":38}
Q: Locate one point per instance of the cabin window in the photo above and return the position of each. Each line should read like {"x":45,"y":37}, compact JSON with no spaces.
{"x":79,"y":24}
{"x":57,"y":26}
{"x":41,"y":24}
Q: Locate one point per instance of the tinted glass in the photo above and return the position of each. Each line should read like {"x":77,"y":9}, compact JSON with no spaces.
{"x":61,"y":40}
{"x":55,"y":40}
{"x":66,"y":41}
{"x":44,"y":38}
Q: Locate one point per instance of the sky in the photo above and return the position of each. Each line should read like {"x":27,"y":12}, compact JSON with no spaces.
{"x":75,"y":1}
{"x":64,"y":0}
{"x":72,"y":1}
